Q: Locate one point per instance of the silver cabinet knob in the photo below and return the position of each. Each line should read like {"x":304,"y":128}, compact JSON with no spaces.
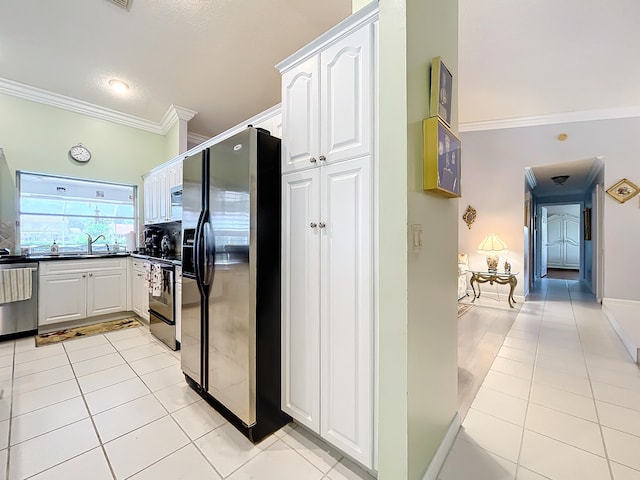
{"x":313,"y":160}
{"x":322,"y":158}
{"x":313,"y":225}
{"x":91,"y":274}
{"x":84,"y":276}
{"x":322,"y":224}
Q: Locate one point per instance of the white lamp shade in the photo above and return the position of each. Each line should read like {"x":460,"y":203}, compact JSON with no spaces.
{"x":492,"y":245}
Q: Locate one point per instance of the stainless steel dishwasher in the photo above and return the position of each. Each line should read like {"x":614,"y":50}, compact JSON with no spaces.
{"x":19,"y":318}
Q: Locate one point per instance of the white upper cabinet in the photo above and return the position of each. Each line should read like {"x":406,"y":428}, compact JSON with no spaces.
{"x":346,"y":97}
{"x":301,"y":116}
{"x":326,"y":101}
{"x":157,"y":192}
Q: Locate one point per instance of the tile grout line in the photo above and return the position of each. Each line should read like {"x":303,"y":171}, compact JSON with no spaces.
{"x":593,"y":396}
{"x":93,"y":423}
{"x":533,"y":373}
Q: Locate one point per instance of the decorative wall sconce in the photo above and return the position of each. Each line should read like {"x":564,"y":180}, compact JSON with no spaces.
{"x":469,"y":216}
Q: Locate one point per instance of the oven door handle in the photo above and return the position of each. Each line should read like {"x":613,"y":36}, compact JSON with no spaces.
{"x":161,"y":318}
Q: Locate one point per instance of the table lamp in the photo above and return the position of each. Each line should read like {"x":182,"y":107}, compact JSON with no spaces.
{"x":492,"y":247}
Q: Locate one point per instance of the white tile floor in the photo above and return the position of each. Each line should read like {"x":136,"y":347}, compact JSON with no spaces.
{"x":116,"y":406}
{"x":561,"y":401}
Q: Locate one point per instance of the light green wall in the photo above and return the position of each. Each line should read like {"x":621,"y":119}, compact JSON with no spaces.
{"x":37,"y":138}
{"x":172,"y":142}
{"x":417,"y":329}
{"x":392,"y":234}
{"x":432,"y":27}
{"x":358,"y":4}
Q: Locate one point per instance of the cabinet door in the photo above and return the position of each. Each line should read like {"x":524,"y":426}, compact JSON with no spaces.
{"x":163,"y":197}
{"x":148,"y":199}
{"x":106,"y":292}
{"x":300,"y":116}
{"x":346,"y":87}
{"x":62,"y":298}
{"x":139,"y":295}
{"x":346,"y":313}
{"x":300,"y":297}
{"x":572,"y":237}
{"x":175,"y":176}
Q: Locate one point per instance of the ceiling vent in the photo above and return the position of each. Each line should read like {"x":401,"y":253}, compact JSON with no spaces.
{"x":122,"y":3}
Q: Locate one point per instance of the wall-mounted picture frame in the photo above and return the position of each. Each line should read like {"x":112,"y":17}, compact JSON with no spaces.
{"x":623,"y":190}
{"x":441,"y":90}
{"x":442,"y":159}
{"x":587,"y":223}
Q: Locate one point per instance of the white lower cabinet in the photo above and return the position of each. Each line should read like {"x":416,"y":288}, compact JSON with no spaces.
{"x":139,"y":290}
{"x":328,"y":355}
{"x":77,"y":289}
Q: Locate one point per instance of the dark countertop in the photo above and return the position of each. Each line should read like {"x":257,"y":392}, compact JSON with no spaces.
{"x":74,"y":256}
{"x":149,"y":257}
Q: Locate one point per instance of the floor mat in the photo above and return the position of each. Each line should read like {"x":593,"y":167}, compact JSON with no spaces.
{"x":463,"y":308}
{"x":87,"y":330}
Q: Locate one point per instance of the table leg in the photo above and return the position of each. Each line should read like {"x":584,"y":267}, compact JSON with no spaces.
{"x":513,"y":281}
{"x":472,"y":281}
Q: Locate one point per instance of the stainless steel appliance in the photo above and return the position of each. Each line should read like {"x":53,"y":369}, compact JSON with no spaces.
{"x":231,"y":279}
{"x":162,"y":322}
{"x":19,"y":318}
{"x":176,"y":203}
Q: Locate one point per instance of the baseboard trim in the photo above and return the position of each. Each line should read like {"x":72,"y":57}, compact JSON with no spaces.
{"x":443,"y":450}
{"x":628,"y":333}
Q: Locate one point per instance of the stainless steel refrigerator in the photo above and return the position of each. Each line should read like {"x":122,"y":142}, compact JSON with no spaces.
{"x":231,"y":279}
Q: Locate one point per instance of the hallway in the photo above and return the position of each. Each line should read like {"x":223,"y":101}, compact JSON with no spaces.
{"x":561,"y":401}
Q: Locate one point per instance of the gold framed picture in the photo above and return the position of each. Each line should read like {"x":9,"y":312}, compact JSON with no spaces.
{"x":441,"y":90}
{"x":623,"y":190}
{"x":442,"y":158}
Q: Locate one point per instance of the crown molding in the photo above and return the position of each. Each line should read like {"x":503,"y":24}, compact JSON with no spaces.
{"x":175,"y":113}
{"x":196,"y":138}
{"x":34,"y":94}
{"x":551,"y":119}
{"x":531,"y":177}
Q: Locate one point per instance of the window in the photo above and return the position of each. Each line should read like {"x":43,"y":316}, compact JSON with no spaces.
{"x":65,"y":210}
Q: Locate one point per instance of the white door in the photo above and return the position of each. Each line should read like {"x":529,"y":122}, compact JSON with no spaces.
{"x":62,"y":298}
{"x":300,"y":116}
{"x":345,"y":109}
{"x":555,"y":241}
{"x":106,"y":292}
{"x":346,"y":312}
{"x":543,"y":242}
{"x":301,"y":297}
{"x":572,"y":238}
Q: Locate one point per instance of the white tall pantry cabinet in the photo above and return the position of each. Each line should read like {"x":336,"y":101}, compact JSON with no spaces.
{"x":328,"y":374}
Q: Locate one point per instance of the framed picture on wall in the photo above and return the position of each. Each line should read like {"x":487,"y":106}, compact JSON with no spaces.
{"x":442,"y":158}
{"x":587,"y":223}
{"x":623,"y":190}
{"x":441,"y":91}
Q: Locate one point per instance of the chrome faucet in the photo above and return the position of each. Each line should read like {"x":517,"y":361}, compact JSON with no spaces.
{"x":91,"y":241}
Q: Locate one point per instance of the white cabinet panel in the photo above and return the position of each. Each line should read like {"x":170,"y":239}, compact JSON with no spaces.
{"x":346,"y":89}
{"x":106,"y":292}
{"x":62,"y":298}
{"x":300,"y":297}
{"x":300,"y":116}
{"x":346,"y":312}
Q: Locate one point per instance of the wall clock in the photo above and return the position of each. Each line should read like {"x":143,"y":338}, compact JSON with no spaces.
{"x":80,"y":153}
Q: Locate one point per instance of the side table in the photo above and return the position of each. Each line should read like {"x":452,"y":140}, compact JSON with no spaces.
{"x":501,"y":278}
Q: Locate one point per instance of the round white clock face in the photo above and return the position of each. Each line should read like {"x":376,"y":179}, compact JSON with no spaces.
{"x":80,"y":153}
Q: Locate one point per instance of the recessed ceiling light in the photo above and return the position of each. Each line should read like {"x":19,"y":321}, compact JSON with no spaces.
{"x":562,"y":137}
{"x":118,"y":85}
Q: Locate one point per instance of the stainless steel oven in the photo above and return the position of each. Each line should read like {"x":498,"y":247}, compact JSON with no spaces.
{"x":161,"y":303}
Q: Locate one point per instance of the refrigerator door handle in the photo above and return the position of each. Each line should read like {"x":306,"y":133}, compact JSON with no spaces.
{"x":209,"y":253}
{"x":197,"y":253}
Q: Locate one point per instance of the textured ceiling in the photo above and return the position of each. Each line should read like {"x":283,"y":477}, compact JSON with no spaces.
{"x":217,"y":57}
